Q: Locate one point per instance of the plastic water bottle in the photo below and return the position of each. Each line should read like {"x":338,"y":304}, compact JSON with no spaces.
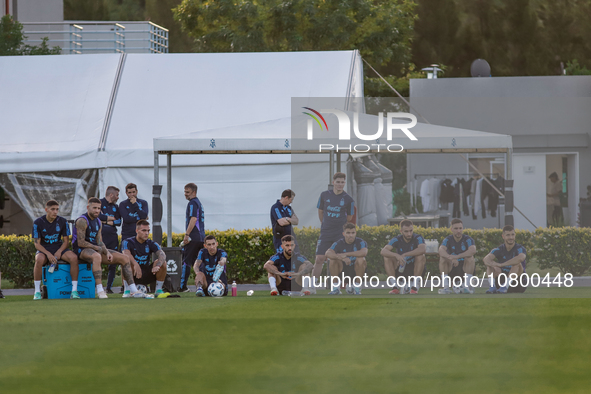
{"x":234,"y":289}
{"x":218,"y":272}
{"x":52,"y":268}
{"x":402,"y":266}
{"x":183,"y":242}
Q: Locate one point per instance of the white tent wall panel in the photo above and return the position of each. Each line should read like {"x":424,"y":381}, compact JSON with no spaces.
{"x":237,"y":197}
{"x":54,"y":103}
{"x":233,"y":196}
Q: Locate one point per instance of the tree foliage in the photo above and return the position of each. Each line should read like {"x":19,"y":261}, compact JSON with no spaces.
{"x":157,"y":11}
{"x":517,"y":37}
{"x":12,"y":40}
{"x":381,"y":31}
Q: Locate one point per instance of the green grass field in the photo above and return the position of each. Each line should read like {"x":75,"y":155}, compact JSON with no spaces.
{"x":538,"y":342}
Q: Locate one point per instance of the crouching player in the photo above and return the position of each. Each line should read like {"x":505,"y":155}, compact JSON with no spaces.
{"x":285,"y":266}
{"x":138,"y":250}
{"x":52,"y":235}
{"x":88,"y":246}
{"x":456,"y":258}
{"x":210,"y":267}
{"x":510,"y":258}
{"x":406,"y":252}
{"x":348,"y":255}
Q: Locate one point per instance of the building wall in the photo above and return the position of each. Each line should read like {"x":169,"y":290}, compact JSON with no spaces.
{"x":549,"y":115}
{"x":37,"y":10}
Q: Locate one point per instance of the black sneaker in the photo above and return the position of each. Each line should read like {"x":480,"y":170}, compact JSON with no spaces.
{"x":185,"y":290}
{"x":122,"y":290}
{"x":109,"y":291}
{"x":1,"y":295}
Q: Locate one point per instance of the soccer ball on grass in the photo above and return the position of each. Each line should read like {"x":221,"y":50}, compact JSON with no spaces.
{"x":216,"y":289}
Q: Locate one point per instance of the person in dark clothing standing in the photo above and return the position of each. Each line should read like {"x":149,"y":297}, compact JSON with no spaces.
{"x":111,"y":219}
{"x":132,"y":210}
{"x":194,"y":233}
{"x":282,"y":218}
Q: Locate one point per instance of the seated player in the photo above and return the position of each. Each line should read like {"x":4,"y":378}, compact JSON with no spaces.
{"x":348,"y":255}
{"x":456,"y":258}
{"x":210,"y":267}
{"x":88,"y":246}
{"x":405,"y":252}
{"x":286,"y":265}
{"x":510,"y":258}
{"x":52,"y":236}
{"x":138,"y":250}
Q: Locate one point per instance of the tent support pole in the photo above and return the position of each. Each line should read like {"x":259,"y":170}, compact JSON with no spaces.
{"x":156,"y":203}
{"x":331,"y":169}
{"x":169,"y":200}
{"x":156,"y":170}
{"x":509,"y":220}
{"x":339,"y":162}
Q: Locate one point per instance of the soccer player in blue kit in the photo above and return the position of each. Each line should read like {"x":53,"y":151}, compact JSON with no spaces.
{"x":111,"y":219}
{"x":511,"y":258}
{"x":406,"y":251}
{"x":52,"y":235}
{"x":286,"y":266}
{"x":132,"y":210}
{"x":348,"y":254}
{"x":335,"y":208}
{"x":210,"y":267}
{"x":88,"y":245}
{"x":138,"y":250}
{"x":194,"y":233}
{"x":456,"y":258}
{"x":283,"y":217}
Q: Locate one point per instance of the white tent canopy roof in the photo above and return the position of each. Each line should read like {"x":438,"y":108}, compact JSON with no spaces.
{"x":104,"y":110}
{"x":275,"y":136}
{"x":192,"y":92}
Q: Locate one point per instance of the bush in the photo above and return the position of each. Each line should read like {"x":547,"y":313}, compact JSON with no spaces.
{"x":565,"y":248}
{"x":17,"y":259}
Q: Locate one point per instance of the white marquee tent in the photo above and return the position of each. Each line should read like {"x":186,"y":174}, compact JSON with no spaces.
{"x":102,"y":112}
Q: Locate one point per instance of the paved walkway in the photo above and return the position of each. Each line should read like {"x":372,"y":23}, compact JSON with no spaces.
{"x":581,"y":281}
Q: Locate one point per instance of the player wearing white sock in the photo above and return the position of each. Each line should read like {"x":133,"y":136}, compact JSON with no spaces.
{"x":285,"y":266}
{"x":456,"y":258}
{"x":139,"y":250}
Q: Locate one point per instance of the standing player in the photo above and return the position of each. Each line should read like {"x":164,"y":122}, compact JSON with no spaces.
{"x":456,"y":258}
{"x":88,"y":246}
{"x":283,"y":217}
{"x":285,"y":266}
{"x":335,"y":208}
{"x":52,"y":236}
{"x":510,"y":258}
{"x":138,"y":250}
{"x":348,"y":254}
{"x":194,"y":233}
{"x":210,"y":267}
{"x":405,"y":252}
{"x":110,"y":219}
{"x":132,"y":210}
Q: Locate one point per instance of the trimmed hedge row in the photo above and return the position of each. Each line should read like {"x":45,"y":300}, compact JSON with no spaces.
{"x":17,"y":259}
{"x":565,"y":248}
